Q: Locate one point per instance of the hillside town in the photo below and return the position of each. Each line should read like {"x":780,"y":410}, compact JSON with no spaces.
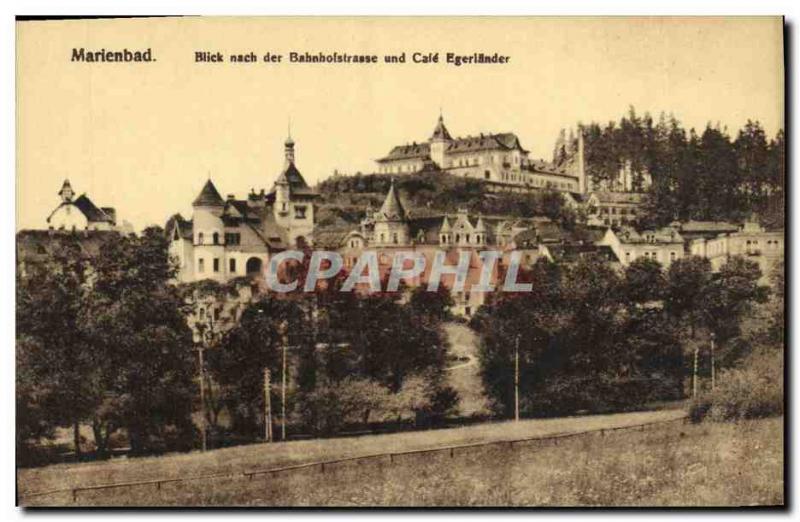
{"x":603,"y":277}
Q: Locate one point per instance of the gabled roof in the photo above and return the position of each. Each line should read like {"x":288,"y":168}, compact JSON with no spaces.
{"x":208,"y":197}
{"x":392,"y":209}
{"x":708,"y":226}
{"x":502,"y":141}
{"x":185,"y":226}
{"x":629,"y":235}
{"x":92,"y":213}
{"x":330,"y":237}
{"x":292,"y":177}
{"x":412,"y":151}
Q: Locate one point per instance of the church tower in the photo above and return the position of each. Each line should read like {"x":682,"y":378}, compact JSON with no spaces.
{"x":293,"y":206}
{"x":391,"y":225}
{"x":439,"y":141}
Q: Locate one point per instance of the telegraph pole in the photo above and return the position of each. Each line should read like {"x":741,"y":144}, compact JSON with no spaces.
{"x":694,"y":375}
{"x":202,"y":397}
{"x":285,"y":342}
{"x":713,"y":372}
{"x":516,"y":378}
{"x":267,"y":407}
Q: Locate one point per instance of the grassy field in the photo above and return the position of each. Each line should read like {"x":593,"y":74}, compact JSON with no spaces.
{"x":669,"y":465}
{"x":260,"y":456}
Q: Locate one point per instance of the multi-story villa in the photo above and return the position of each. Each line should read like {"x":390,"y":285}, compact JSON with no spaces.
{"x":664,"y":245}
{"x":229,"y":238}
{"x":751,"y":241}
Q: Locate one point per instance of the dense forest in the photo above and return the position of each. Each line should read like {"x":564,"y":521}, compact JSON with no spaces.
{"x":708,"y":175}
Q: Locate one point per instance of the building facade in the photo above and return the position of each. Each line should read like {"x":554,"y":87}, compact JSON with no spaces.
{"x":80,"y":213}
{"x":664,"y":245}
{"x":496,"y":158}
{"x":751,"y":241}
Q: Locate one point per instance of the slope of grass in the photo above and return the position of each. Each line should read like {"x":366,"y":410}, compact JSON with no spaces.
{"x":671,"y":465}
{"x":260,"y":456}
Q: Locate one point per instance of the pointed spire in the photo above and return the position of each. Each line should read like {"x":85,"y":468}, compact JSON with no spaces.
{"x":392,"y":209}
{"x":440,"y":132}
{"x":208,"y":197}
{"x":66,"y":192}
{"x":480,"y":227}
{"x":288,"y":146}
{"x":445,"y":225}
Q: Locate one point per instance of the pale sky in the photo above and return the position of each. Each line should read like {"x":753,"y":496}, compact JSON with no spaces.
{"x":144,"y":137}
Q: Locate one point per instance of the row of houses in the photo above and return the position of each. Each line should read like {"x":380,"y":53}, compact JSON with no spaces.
{"x":230,"y":238}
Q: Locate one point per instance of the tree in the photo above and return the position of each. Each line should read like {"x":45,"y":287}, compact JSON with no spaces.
{"x":56,"y":369}
{"x":688,"y":280}
{"x":134,"y":323}
{"x":731,"y":294}
{"x":251,"y":346}
{"x":644,"y":282}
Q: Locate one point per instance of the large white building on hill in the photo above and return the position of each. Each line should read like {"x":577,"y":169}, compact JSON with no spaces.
{"x":496,"y":158}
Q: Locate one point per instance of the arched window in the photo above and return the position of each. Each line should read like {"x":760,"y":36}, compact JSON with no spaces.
{"x":394,"y":238}
{"x":199,"y":238}
{"x":253,"y":266}
{"x":216,"y":238}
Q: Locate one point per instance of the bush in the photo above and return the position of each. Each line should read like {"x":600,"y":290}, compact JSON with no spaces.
{"x":751,"y":391}
{"x":429,"y":402}
{"x":602,"y":393}
{"x":332,"y":406}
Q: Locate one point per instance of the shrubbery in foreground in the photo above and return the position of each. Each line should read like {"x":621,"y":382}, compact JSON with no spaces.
{"x":751,"y":391}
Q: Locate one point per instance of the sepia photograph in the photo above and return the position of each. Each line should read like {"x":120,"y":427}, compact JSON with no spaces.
{"x":400,"y":262}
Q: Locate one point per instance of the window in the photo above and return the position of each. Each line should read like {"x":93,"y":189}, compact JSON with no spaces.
{"x":486,"y":174}
{"x":201,"y":265}
{"x":216,"y":264}
{"x":232,"y":266}
{"x":672,"y":256}
{"x":394,"y":238}
{"x":199,"y":238}
{"x":300,"y":212}
{"x":216,"y":238}
{"x":233,"y":238}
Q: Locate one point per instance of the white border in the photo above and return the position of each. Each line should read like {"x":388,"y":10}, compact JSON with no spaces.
{"x":319,"y":7}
